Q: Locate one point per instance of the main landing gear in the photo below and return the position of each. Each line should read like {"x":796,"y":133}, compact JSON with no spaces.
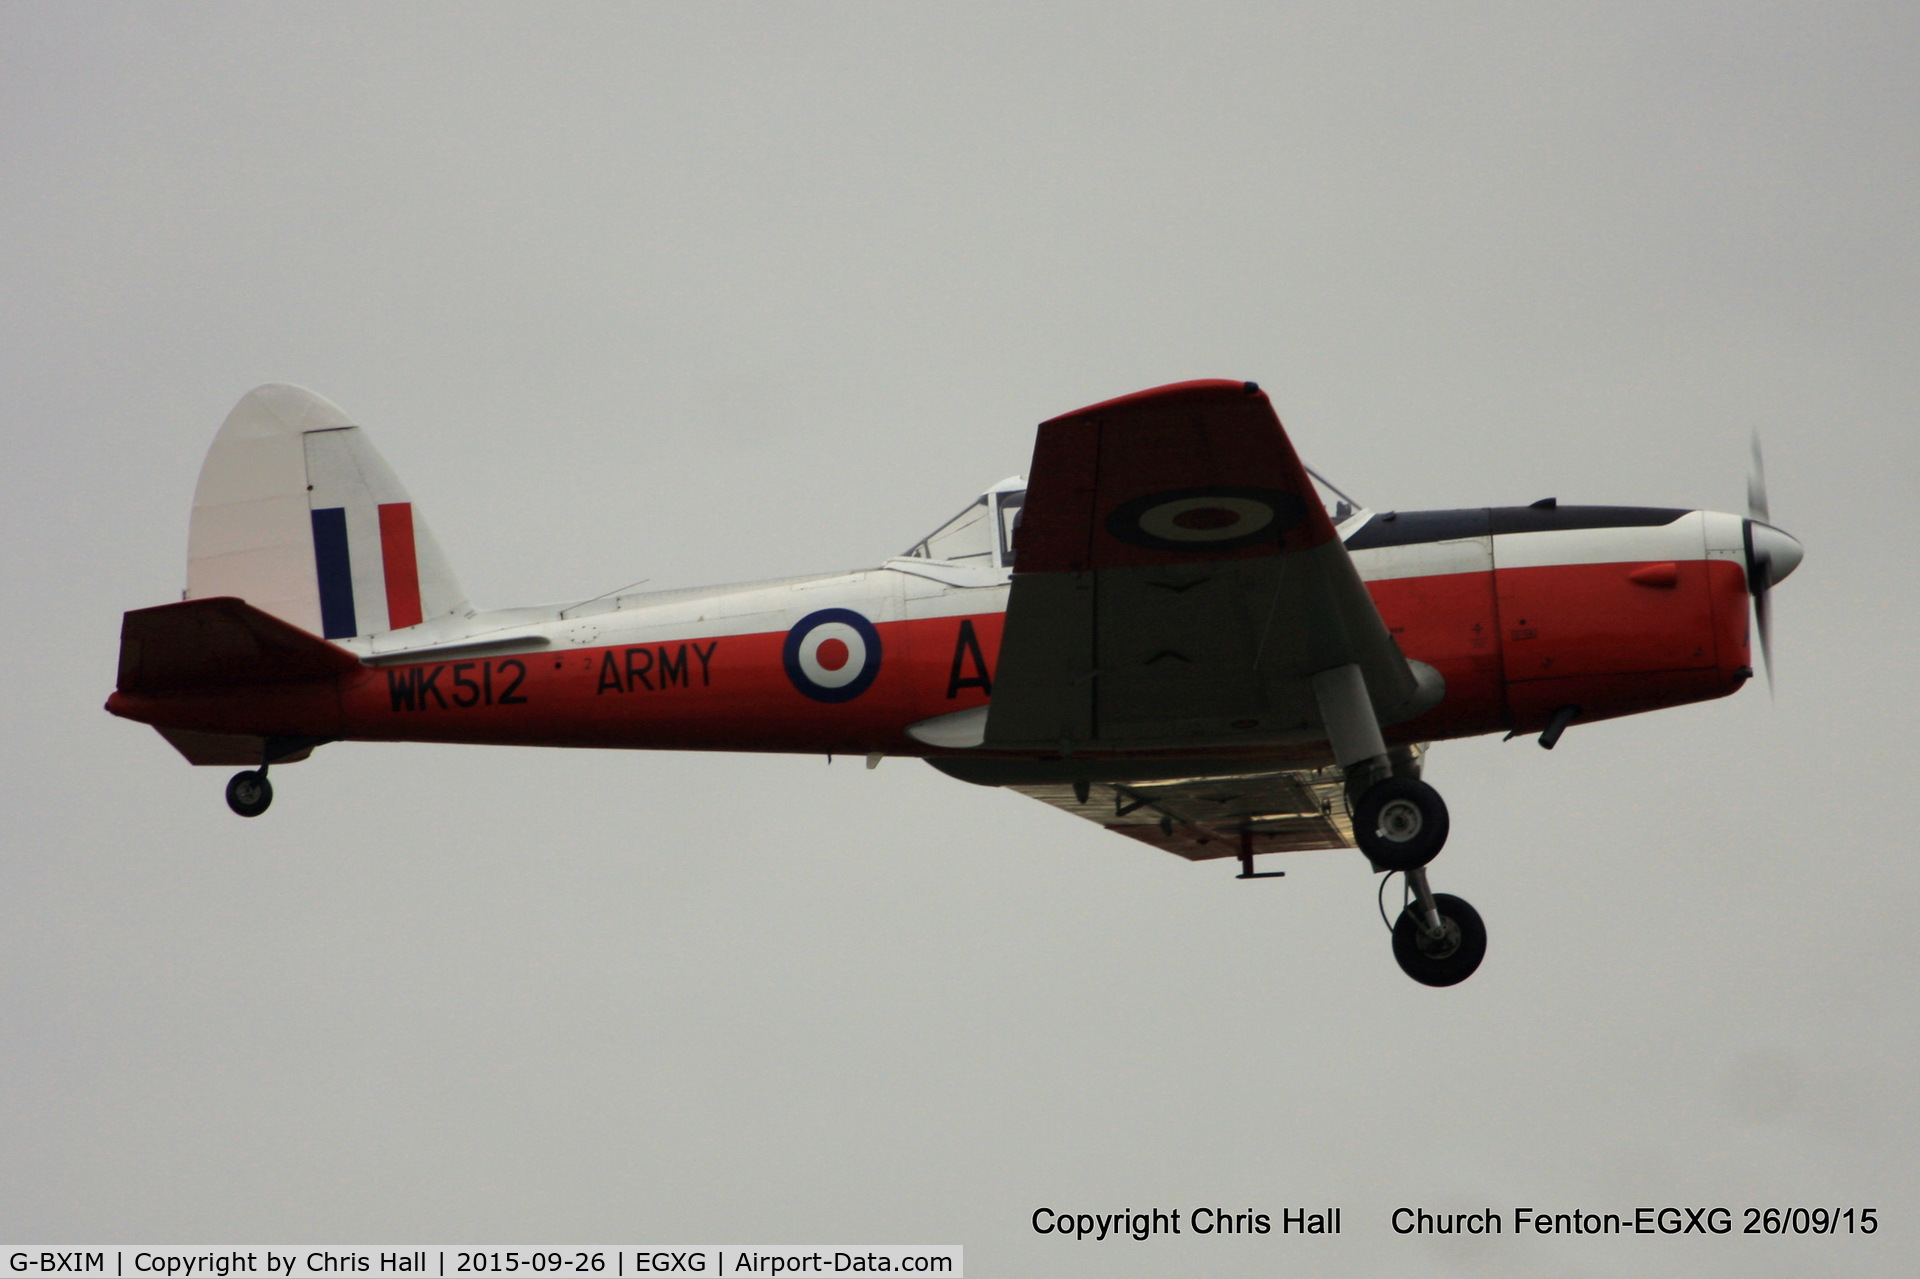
{"x":1401,"y":824}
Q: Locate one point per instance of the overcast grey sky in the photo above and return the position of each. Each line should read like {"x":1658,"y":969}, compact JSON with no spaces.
{"x":706,"y":293}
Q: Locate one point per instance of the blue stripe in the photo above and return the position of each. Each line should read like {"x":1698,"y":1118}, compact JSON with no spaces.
{"x":336,"y":573}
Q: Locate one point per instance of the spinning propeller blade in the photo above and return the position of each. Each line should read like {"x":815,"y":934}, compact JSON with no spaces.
{"x":1771,"y":555}
{"x":1759,"y":563}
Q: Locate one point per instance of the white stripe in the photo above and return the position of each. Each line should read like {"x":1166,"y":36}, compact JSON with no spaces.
{"x":1424,"y":559}
{"x":1684,"y":539}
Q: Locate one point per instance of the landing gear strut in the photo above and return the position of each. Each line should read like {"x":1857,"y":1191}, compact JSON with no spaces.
{"x":1399,"y":821}
{"x":1401,"y":824}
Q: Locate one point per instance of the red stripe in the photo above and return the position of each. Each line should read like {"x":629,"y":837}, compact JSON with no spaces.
{"x":401,"y":564}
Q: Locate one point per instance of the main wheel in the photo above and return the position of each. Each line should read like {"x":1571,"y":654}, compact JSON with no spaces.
{"x":1400,"y":823}
{"x":249,"y":793}
{"x":1441,"y":961}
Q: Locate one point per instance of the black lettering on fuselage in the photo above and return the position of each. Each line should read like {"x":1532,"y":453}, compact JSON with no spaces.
{"x":965,"y":647}
{"x":519,"y":669}
{"x":426,"y":681}
{"x":673,"y":670}
{"x":639,"y":668}
{"x":407,"y":689}
{"x":467,"y":690}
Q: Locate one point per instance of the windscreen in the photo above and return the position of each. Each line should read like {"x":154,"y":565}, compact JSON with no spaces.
{"x":1341,"y":509}
{"x":980,"y":536}
{"x":967,"y":538}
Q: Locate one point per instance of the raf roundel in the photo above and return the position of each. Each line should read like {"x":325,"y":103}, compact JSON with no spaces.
{"x":832,"y":655}
{"x":1214,"y":517}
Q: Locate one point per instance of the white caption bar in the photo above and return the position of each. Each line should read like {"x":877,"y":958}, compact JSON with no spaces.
{"x":288,"y":1261}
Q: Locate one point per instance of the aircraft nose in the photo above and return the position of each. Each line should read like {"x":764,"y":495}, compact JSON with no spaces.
{"x":1776,"y":549}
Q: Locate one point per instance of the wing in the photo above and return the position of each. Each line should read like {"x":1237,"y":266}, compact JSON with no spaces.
{"x":1177,"y":586}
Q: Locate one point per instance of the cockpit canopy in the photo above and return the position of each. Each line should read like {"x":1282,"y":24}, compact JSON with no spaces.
{"x":982,"y":535}
{"x":1346,"y":514}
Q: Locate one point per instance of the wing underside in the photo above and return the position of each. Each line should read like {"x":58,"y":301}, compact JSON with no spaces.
{"x":1216,"y":815}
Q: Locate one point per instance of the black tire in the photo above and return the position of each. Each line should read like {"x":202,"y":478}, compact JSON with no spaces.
{"x":249,"y":793}
{"x":1400,"y":823}
{"x":1450,"y":961}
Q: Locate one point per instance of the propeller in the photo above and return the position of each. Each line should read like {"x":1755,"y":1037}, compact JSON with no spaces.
{"x":1759,"y":563}
{"x":1771,"y":555}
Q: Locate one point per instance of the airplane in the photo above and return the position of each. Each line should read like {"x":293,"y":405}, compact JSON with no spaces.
{"x":1169,"y":626}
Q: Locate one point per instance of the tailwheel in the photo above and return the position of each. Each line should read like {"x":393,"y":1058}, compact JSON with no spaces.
{"x":1441,"y":943}
{"x":249,"y":792}
{"x":1400,"y":823}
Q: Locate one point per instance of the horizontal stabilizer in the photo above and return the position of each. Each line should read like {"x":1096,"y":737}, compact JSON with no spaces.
{"x":226,"y":748}
{"x":212,"y":644}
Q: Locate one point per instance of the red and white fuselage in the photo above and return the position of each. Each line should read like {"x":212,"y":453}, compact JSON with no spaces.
{"x":1521,"y":611}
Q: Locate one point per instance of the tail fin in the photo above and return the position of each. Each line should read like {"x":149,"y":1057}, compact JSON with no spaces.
{"x":297,"y":514}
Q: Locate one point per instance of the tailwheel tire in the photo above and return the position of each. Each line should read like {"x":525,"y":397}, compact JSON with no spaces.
{"x":1400,"y":823}
{"x":1441,"y":961}
{"x":249,"y":793}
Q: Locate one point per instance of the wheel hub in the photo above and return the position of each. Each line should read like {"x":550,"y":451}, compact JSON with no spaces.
{"x":1443,"y":946}
{"x":1401,"y":820}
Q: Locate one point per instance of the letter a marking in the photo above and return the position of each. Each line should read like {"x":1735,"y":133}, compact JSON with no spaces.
{"x":968,"y":646}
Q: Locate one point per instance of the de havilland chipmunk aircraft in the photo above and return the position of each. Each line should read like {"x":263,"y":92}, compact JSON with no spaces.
{"x":1169,"y":627}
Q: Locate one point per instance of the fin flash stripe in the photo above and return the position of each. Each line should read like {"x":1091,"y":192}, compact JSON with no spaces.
{"x":401,"y":565}
{"x":335,"y":570}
